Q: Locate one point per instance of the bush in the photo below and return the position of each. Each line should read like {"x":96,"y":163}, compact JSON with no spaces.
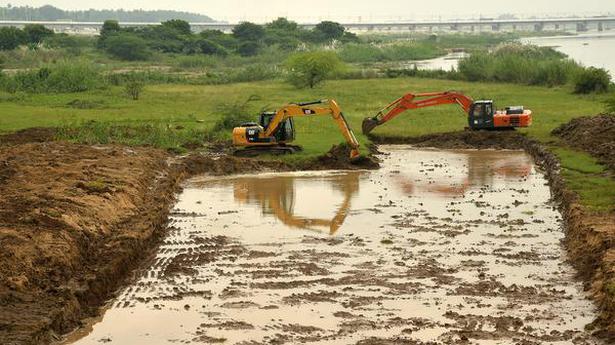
{"x":66,"y":76}
{"x":520,"y":64}
{"x":11,"y":38}
{"x":312,"y":68}
{"x":36,"y":33}
{"x":234,"y":114}
{"x":248,"y":49}
{"x":134,"y":87}
{"x":592,"y":79}
{"x":127,"y":46}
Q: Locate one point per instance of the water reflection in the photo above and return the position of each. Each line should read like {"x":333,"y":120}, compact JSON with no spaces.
{"x":277,"y":196}
{"x":481,"y":168}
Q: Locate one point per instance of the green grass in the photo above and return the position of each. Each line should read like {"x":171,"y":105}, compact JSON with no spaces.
{"x":590,"y":180}
{"x":184,"y":112}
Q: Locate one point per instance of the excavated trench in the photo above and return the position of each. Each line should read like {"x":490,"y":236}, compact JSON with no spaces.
{"x":437,"y":246}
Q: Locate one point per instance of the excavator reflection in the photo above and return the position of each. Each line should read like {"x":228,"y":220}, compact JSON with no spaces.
{"x":277,"y":196}
{"x":482,"y":168}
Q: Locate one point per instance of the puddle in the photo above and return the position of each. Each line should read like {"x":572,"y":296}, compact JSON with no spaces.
{"x":437,"y":246}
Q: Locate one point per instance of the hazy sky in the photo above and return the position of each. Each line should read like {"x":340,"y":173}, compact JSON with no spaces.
{"x":343,"y":10}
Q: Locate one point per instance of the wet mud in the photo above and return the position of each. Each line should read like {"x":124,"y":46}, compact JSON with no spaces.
{"x":435,"y":247}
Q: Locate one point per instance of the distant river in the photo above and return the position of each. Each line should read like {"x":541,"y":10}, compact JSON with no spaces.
{"x":591,"y":49}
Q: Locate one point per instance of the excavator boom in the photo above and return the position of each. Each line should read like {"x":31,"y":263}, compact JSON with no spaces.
{"x":481,"y":117}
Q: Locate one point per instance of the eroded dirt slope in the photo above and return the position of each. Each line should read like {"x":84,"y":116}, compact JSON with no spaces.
{"x":71,"y":218}
{"x":594,"y":134}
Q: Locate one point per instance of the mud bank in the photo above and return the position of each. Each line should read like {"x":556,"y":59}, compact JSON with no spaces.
{"x":590,"y":237}
{"x":75,"y":220}
{"x":594,"y":134}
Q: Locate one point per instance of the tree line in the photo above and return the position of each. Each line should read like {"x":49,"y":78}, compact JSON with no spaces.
{"x":246,"y":39}
{"x":50,"y":13}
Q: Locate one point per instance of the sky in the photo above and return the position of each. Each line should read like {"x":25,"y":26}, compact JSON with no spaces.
{"x":342,"y":10}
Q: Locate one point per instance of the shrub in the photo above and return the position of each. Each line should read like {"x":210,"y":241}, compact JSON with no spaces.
{"x":134,"y":87}
{"x":248,"y":49}
{"x":520,"y":64}
{"x":127,"y":46}
{"x":66,"y":76}
{"x":11,"y":38}
{"x":208,"y":47}
{"x":312,"y":68}
{"x":36,"y":33}
{"x":592,"y":79}
{"x":234,"y":114}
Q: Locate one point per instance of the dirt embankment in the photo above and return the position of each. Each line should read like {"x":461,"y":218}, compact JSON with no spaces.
{"x":595,"y":135}
{"x":76,"y":219}
{"x":590,"y":237}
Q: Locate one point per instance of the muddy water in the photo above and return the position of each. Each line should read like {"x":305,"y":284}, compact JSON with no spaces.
{"x":437,"y":246}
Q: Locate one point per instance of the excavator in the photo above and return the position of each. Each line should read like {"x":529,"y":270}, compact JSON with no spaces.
{"x":481,"y":114}
{"x":276,"y":129}
{"x":277,"y":197}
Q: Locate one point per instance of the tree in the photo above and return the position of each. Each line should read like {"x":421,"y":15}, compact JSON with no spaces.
{"x":182,"y":26}
{"x":328,"y":31}
{"x":110,"y":27}
{"x":247,"y":31}
{"x":311,"y":68}
{"x":36,"y":33}
{"x":11,"y":38}
{"x":127,"y":46}
{"x":282,"y":24}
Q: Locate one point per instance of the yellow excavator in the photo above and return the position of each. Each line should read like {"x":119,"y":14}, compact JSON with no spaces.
{"x":276,"y":129}
{"x":277,"y":196}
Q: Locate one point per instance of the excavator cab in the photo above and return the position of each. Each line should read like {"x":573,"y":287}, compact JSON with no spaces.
{"x":481,"y":115}
{"x":285,"y":131}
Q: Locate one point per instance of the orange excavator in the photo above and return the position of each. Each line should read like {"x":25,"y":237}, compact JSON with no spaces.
{"x":481,"y":114}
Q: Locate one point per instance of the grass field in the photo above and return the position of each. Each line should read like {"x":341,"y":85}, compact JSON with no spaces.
{"x":188,"y":109}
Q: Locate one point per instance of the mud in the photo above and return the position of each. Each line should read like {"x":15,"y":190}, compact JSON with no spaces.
{"x":593,"y":134}
{"x":435,"y":247}
{"x":76,"y":219}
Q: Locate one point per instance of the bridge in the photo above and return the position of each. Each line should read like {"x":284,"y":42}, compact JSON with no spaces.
{"x":578,"y":24}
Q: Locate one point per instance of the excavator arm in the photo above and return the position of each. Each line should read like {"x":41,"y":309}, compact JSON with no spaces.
{"x":316,"y":108}
{"x":415,"y":101}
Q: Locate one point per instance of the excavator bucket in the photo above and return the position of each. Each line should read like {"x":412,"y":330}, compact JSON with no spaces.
{"x":369,"y":123}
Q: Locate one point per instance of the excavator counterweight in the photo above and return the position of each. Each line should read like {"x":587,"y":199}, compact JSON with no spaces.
{"x":481,"y":114}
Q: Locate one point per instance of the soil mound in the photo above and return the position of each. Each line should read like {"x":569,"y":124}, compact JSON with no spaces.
{"x":29,"y":135}
{"x":594,"y":134}
{"x":460,"y":140}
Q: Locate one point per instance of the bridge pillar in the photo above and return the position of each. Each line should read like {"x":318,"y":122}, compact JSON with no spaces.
{"x":600,"y":26}
{"x":495,"y":27}
{"x":581,"y":27}
{"x":539,"y":27}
